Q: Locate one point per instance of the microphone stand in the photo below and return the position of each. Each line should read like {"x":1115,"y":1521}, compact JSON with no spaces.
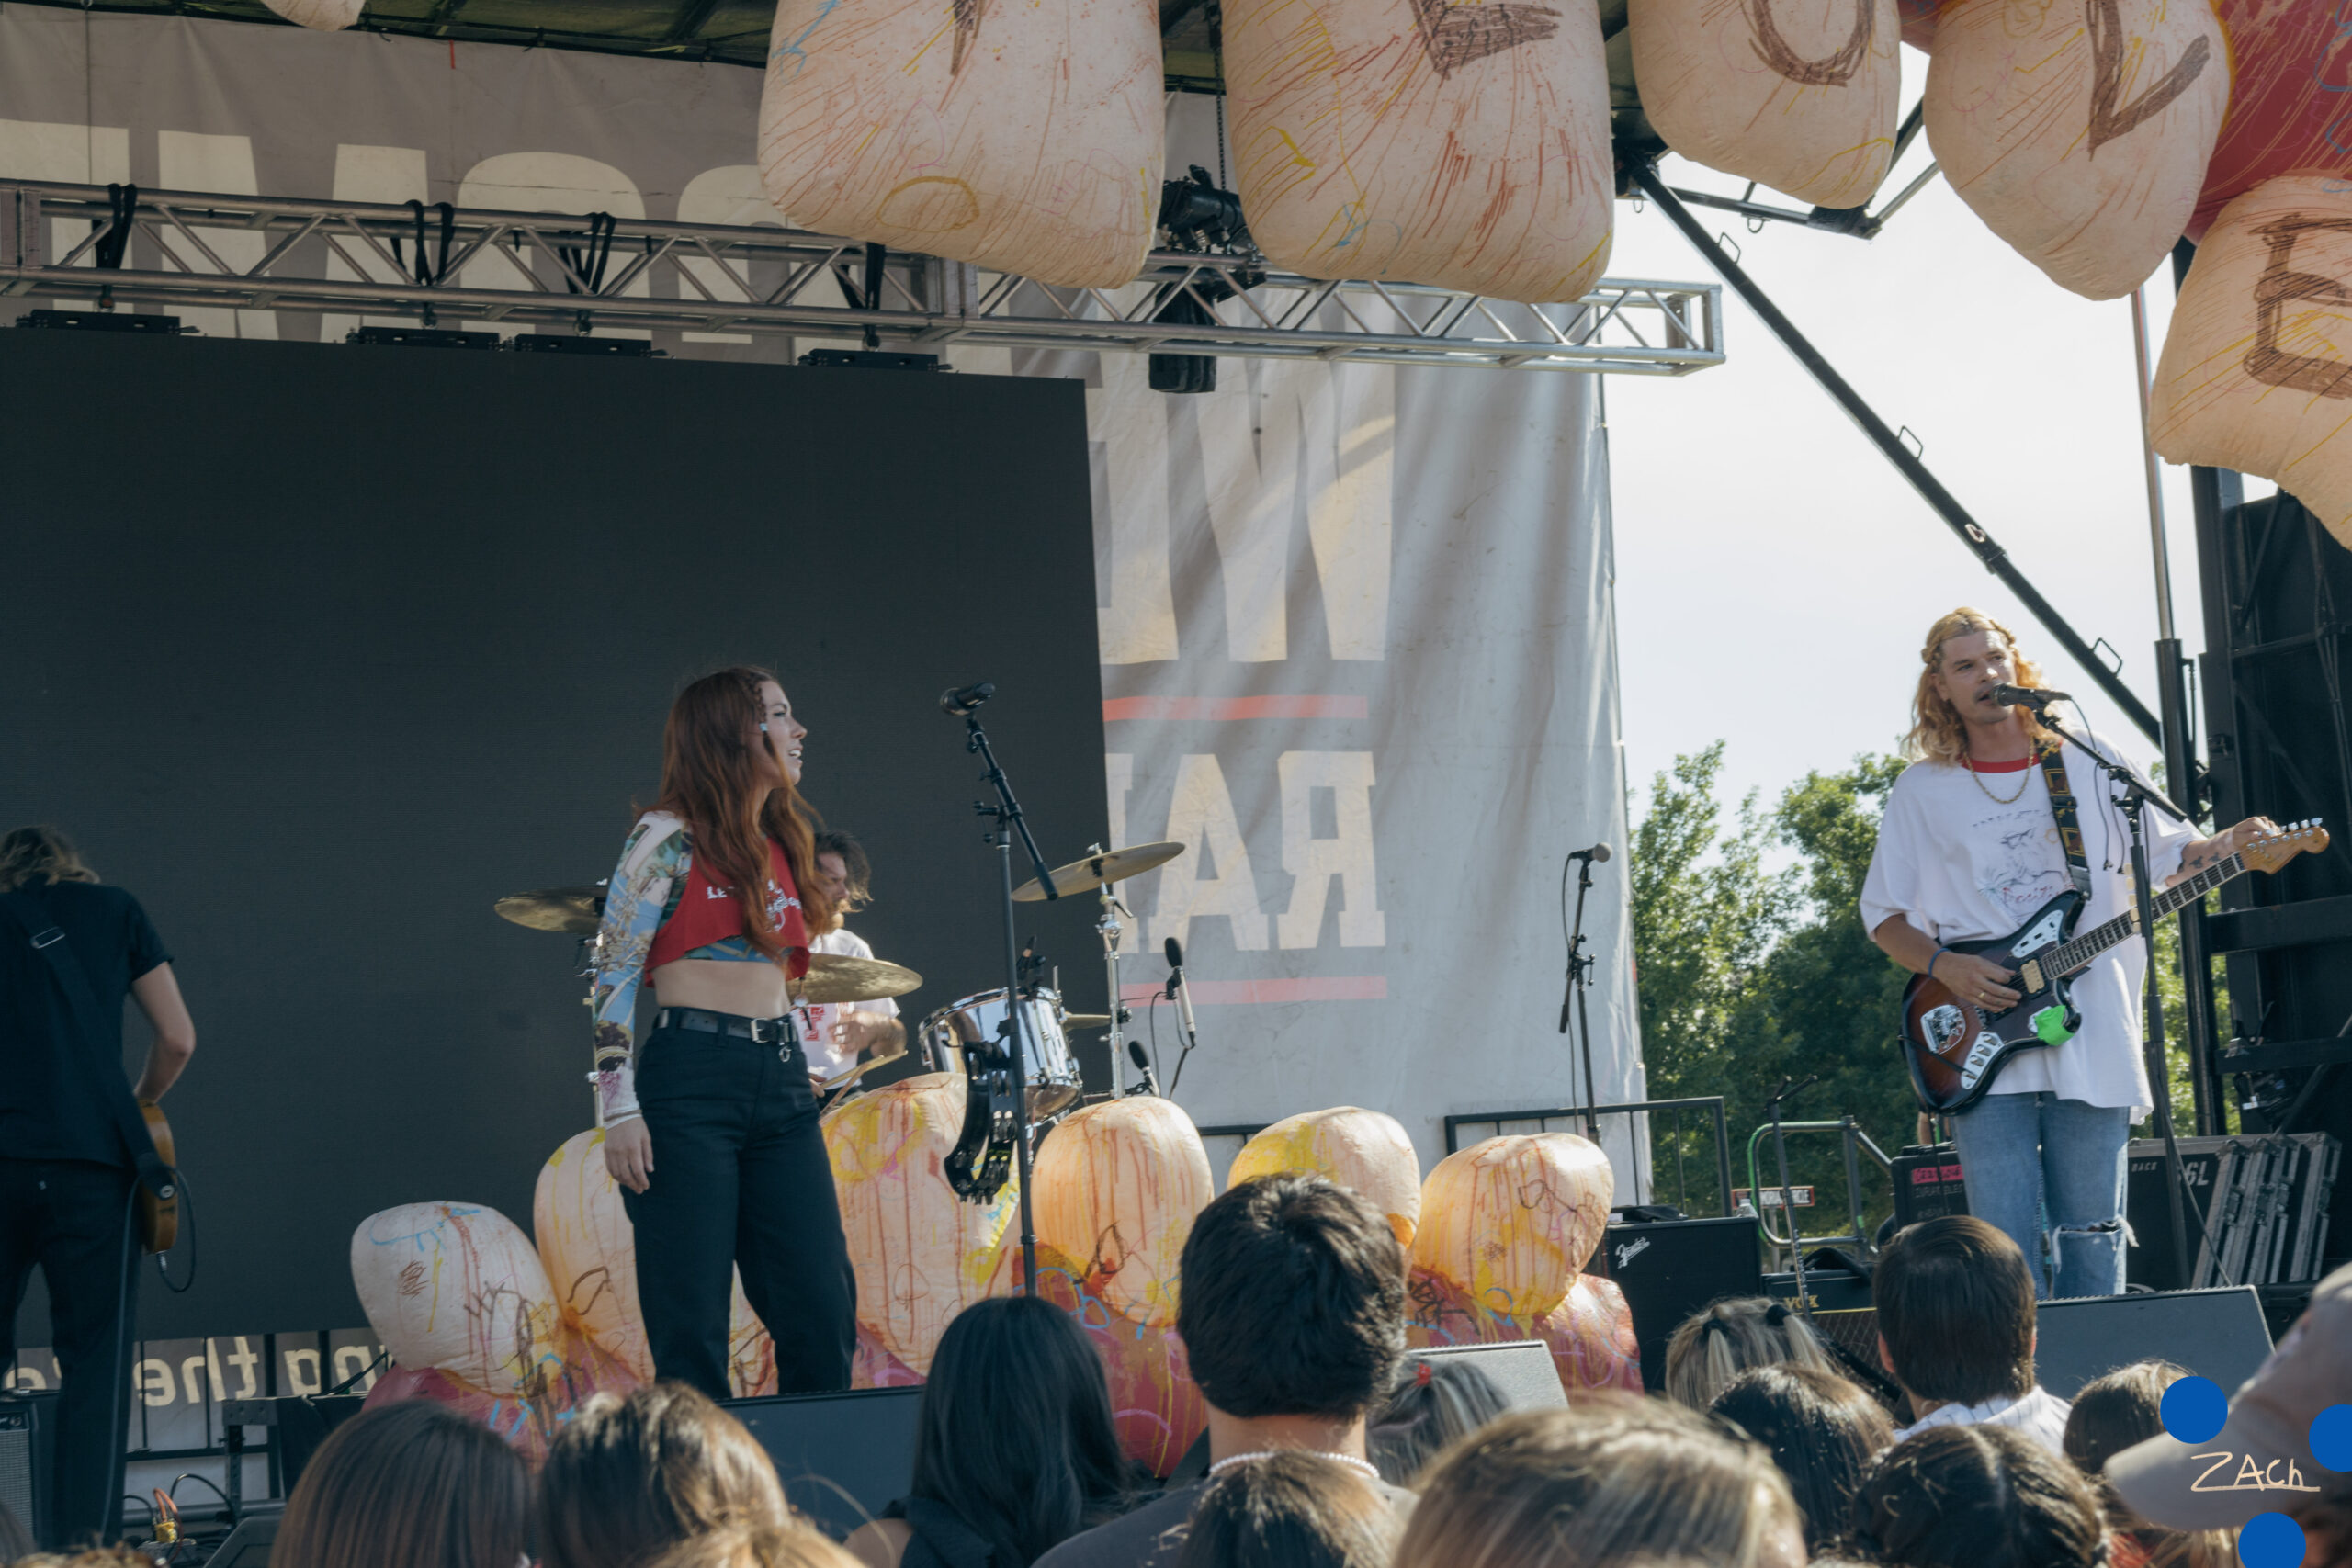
{"x":1788,"y":1192}
{"x":1579,"y":978}
{"x":1006,"y":815}
{"x":2132,"y":797}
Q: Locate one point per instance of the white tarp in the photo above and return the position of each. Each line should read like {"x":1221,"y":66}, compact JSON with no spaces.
{"x":1356,"y":621}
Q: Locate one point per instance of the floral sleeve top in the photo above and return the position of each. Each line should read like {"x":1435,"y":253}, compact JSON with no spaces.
{"x":642,"y":895}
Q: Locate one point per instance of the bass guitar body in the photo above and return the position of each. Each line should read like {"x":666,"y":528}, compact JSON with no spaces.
{"x":159,"y":1217}
{"x":1954,"y":1048}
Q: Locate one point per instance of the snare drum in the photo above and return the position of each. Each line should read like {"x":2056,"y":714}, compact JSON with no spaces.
{"x":1047,"y":1067}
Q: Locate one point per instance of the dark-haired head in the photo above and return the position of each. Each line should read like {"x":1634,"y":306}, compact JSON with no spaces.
{"x":1977,"y":1496}
{"x":631,"y":1477}
{"x":853,"y":889}
{"x":408,"y":1486}
{"x":2119,"y":1411}
{"x":1433,"y":1401}
{"x":731,"y":770}
{"x":1823,"y":1432}
{"x":1289,"y":1510}
{"x":1015,"y":1432}
{"x":1291,"y":1300}
{"x":1956,"y":1311}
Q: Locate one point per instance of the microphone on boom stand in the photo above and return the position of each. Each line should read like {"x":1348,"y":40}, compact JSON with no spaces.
{"x":1150,"y":1084}
{"x":961,"y":701}
{"x":1580,"y":974}
{"x":1597,"y":854}
{"x":1183,"y":996}
{"x":2040,"y":699}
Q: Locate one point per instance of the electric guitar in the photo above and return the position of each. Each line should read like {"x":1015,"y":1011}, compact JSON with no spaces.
{"x":1955,"y":1049}
{"x":159,"y":1218}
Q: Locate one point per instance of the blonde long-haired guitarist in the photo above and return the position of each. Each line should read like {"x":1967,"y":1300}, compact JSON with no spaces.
{"x":1969,"y":849}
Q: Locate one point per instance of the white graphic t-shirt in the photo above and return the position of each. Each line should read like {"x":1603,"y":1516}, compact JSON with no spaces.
{"x":817,"y":1019}
{"x":1960,"y":867}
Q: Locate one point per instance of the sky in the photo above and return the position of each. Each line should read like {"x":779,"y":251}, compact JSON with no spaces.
{"x":1775,"y":573}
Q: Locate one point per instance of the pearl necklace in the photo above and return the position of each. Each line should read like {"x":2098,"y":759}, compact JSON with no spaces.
{"x":1348,"y":1459}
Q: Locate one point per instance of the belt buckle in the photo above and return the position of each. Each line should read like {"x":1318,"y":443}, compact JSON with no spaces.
{"x":776,"y":1032}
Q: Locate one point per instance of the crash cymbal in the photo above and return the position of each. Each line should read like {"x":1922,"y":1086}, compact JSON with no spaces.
{"x":835,"y":977}
{"x":882,"y":1057}
{"x":1110,"y":865}
{"x":574,"y":910}
{"x":1086,"y":1021}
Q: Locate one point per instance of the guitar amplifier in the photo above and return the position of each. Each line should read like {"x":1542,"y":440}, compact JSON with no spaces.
{"x":2207,"y":1164}
{"x":1670,"y":1268}
{"x":27,"y":1460}
{"x":1928,"y":1184}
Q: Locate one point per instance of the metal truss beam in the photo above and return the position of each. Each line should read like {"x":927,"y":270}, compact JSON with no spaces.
{"x":531,"y":269}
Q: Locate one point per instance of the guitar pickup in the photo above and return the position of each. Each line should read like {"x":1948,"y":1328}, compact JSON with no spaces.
{"x":2030,"y":972}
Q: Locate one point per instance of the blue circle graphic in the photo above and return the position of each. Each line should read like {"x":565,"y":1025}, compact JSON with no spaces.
{"x":2331,"y":1438}
{"x":2271,"y":1540}
{"x":2194,"y":1409}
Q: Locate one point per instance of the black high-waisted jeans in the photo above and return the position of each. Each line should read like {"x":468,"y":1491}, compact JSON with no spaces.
{"x":739,"y":1178}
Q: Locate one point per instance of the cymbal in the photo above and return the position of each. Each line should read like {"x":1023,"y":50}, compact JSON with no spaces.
{"x":1086,"y":1021}
{"x":574,"y":910}
{"x":1110,"y":865}
{"x":835,"y":977}
{"x":882,"y":1057}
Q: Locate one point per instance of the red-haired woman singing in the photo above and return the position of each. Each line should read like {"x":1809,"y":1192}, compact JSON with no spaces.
{"x":711,"y":1123}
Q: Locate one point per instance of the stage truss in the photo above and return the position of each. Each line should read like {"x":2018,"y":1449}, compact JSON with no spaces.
{"x":549,"y":271}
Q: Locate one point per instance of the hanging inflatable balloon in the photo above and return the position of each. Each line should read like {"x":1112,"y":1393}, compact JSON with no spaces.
{"x":589,"y":1250}
{"x":2079,"y":133}
{"x":327,"y":16}
{"x":1800,"y":95}
{"x":922,"y":1254}
{"x":459,"y":1300}
{"x":2290,"y":99}
{"x":1456,"y":142}
{"x":1023,"y":136}
{"x":1361,"y":1150}
{"x":2257,"y":369}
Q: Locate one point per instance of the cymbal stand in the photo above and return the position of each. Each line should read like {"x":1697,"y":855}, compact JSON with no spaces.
{"x":1006,"y":815}
{"x":1112,"y":927}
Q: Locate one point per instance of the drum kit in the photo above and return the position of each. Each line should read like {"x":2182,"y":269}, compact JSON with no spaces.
{"x":952,"y":1037}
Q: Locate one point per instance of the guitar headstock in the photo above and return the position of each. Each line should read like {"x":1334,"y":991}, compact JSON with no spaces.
{"x":2267,"y":854}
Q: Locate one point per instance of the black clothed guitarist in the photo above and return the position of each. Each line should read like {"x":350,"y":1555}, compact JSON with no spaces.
{"x":1971,"y":848}
{"x":65,"y":1178}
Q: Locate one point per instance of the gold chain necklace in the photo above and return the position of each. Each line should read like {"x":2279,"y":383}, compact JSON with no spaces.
{"x":2023,"y":784}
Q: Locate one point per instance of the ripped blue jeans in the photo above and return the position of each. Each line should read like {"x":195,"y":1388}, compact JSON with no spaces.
{"x":2050,"y":1173}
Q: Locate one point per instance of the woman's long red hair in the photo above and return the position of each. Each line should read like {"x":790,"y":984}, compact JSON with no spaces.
{"x":712,"y":778}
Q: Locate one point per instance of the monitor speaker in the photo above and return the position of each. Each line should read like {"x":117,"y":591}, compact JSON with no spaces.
{"x":843,"y":1457}
{"x":1521,"y":1368}
{"x":28,"y":1456}
{"x":2217,"y":1334}
{"x":1670,"y":1268}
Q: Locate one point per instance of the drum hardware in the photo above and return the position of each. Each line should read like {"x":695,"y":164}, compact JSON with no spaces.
{"x":838,"y":978}
{"x":974,"y":1024}
{"x":1091,"y":1020}
{"x":841,"y":1083}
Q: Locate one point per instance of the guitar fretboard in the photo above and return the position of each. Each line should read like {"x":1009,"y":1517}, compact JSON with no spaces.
{"x":2079,"y":950}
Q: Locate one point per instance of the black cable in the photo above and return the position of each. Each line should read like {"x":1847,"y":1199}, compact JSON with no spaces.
{"x":173,"y":1491}
{"x":344,"y":1386}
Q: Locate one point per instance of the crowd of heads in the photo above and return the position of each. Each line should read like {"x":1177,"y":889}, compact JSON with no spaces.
{"x":1334,"y":1447}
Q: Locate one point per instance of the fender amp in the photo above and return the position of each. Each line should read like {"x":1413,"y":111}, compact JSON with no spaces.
{"x":1670,"y":1268}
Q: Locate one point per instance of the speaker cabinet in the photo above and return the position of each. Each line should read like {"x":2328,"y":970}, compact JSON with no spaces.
{"x":2217,"y":1334}
{"x":27,"y":1460}
{"x":843,"y":1457}
{"x":1670,"y":1268}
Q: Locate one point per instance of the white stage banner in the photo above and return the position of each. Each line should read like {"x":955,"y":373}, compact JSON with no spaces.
{"x":1356,"y":621}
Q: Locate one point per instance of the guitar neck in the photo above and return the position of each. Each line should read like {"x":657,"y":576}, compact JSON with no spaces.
{"x":2079,"y":952}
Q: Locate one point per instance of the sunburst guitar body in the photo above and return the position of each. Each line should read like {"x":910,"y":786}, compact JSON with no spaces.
{"x":1955,"y":1049}
{"x":159,"y":1216}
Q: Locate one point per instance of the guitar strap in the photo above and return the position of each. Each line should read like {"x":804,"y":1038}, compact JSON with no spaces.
{"x":48,"y":939}
{"x":2070,"y":821}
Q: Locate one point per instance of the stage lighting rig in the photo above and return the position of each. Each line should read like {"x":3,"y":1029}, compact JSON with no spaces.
{"x":1195,"y":216}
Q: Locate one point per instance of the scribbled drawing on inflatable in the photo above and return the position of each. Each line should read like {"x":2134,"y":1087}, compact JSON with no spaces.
{"x":1800,"y":94}
{"x":1023,"y":136}
{"x":462,"y":1303}
{"x":1363,"y":1151}
{"x":1435,"y":142}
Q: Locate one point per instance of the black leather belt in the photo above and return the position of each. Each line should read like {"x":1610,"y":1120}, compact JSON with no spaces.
{"x":778,"y":1032}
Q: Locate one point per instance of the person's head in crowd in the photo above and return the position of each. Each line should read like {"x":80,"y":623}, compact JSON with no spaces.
{"x":1611,"y":1482}
{"x":1289,"y":1510}
{"x":1955,"y":1313}
{"x":121,"y":1554}
{"x":631,"y":1477}
{"x":39,"y":857}
{"x":793,"y":1545}
{"x":1292,"y":1311}
{"x":1823,"y":1432}
{"x":2111,"y":1413}
{"x":412,"y":1484}
{"x":1433,"y":1401}
{"x":1724,"y":1339}
{"x":1978,"y":1496}
{"x":1014,"y":1436}
{"x":844,"y":871}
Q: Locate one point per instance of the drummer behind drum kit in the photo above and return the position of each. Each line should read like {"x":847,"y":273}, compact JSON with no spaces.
{"x":965,"y":1037}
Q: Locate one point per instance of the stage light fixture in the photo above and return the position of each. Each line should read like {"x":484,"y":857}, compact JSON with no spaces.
{"x":1195,"y":216}
{"x":107,"y":321}
{"x":420,"y":337}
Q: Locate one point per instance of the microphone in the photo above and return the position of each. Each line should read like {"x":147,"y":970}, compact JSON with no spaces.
{"x":1597,"y":854}
{"x":963,"y":700}
{"x":1143,"y":1065}
{"x":1177,"y":989}
{"x":2038,"y":698}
